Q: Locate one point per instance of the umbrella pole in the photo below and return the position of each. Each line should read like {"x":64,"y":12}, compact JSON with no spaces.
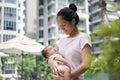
{"x":22,"y":66}
{"x":37,"y":77}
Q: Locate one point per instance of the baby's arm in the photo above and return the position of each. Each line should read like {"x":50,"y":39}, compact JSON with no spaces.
{"x":61,"y":60}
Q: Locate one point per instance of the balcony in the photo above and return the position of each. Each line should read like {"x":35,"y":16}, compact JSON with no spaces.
{"x":93,"y":1}
{"x":51,"y":2}
{"x":98,"y":52}
{"x":51,"y":36}
{"x":112,"y":15}
{"x":95,"y":10}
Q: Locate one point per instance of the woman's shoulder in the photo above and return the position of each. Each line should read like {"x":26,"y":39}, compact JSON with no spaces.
{"x":84,"y":35}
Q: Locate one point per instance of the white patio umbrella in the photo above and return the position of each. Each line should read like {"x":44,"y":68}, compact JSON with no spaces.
{"x":21,"y":44}
{"x":3,"y":54}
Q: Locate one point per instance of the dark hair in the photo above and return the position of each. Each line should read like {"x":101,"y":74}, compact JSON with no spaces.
{"x":69,"y":13}
{"x":44,"y":52}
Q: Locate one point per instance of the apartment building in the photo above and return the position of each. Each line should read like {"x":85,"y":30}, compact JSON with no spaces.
{"x":8,"y":30}
{"x":96,"y":18}
{"x":21,"y":16}
{"x":8,"y":19}
{"x":48,"y":29}
{"x":83,"y":13}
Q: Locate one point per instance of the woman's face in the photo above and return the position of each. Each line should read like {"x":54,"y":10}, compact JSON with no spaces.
{"x":66,"y":26}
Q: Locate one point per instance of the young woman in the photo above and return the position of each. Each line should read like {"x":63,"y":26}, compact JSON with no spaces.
{"x":76,"y":47}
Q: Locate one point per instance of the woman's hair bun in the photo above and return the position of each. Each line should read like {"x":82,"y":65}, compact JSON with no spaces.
{"x":73,"y":7}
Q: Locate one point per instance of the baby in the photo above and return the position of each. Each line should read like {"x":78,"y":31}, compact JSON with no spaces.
{"x":51,"y":53}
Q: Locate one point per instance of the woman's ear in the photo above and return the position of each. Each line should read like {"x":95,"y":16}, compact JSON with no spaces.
{"x":73,"y":21}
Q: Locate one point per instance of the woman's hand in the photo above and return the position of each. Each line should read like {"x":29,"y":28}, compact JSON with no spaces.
{"x":57,"y":77}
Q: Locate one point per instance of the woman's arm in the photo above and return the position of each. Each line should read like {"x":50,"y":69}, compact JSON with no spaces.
{"x":85,"y":62}
{"x":54,"y":69}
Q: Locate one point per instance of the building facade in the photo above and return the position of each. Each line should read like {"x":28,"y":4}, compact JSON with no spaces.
{"x":8,"y":30}
{"x":47,"y":26}
{"x":98,"y":15}
{"x":21,"y":16}
{"x":8,"y":19}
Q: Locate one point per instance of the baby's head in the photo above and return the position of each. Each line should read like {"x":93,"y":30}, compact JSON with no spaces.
{"x":48,"y":51}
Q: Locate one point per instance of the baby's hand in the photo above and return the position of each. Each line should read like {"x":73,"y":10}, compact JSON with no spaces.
{"x":56,"y":48}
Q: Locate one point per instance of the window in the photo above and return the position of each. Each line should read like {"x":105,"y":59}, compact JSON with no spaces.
{"x":41,"y":22}
{"x":9,"y":68}
{"x":7,"y":37}
{"x":41,"y":12}
{"x":10,"y":13}
{"x":10,"y":1}
{"x":40,"y":34}
{"x":9,"y":19}
{"x":10,"y":25}
{"x":41,"y":2}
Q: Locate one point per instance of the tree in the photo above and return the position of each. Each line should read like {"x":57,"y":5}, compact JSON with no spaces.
{"x":3,"y":60}
{"x":109,"y":60}
{"x":104,"y":10}
{"x":25,"y":65}
{"x":117,"y":5}
{"x":43,"y":68}
{"x":33,"y":70}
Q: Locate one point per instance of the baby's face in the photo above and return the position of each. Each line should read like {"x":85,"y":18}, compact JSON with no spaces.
{"x":50,"y":51}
